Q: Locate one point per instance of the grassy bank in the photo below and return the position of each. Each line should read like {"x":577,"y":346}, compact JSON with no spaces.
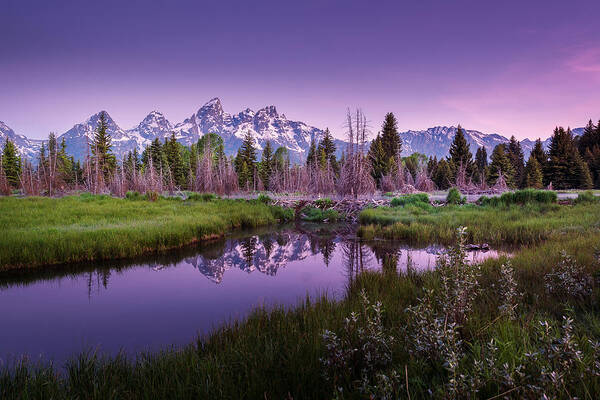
{"x":488,"y":331}
{"x":512,"y":225}
{"x":39,"y":231}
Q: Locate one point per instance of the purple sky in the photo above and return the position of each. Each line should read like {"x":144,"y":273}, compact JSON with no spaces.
{"x":511,"y":67}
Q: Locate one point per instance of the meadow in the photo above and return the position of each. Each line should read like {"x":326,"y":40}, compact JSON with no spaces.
{"x":524,"y":327}
{"x":36,"y":231}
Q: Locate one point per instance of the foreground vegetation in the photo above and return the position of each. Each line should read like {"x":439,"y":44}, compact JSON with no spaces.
{"x":521,"y":328}
{"x":38,"y":231}
{"x":500,"y":221}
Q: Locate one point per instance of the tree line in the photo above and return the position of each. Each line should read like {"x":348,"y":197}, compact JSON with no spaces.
{"x":570,"y":162}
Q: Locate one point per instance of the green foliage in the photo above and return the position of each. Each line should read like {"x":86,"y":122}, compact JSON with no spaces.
{"x":202,"y":196}
{"x":314,"y":214}
{"x":454,"y":197}
{"x":11,"y":163}
{"x":410,"y":199}
{"x":460,"y":153}
{"x":534,"y":177}
{"x":37,"y":231}
{"x":245,"y":162}
{"x":326,"y":151}
{"x":522,"y":197}
{"x":587,"y":197}
{"x":501,"y":163}
{"x":263,"y":198}
{"x":267,"y":165}
{"x":323,"y":203}
{"x":102,"y":148}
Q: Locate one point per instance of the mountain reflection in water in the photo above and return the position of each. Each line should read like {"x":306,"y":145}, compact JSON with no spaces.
{"x":168,"y":299}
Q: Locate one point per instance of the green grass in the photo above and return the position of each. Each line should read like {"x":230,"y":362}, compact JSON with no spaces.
{"x":522,"y":197}
{"x":276,"y":354}
{"x":500,"y":225}
{"x":38,"y":231}
{"x":410,"y":199}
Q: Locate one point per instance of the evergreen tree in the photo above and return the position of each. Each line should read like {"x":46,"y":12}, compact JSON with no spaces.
{"x":312,"y":157}
{"x":175,"y":161}
{"x":582,"y":174}
{"x":390,"y":138}
{"x":500,"y":162}
{"x":481,"y":163}
{"x":245,"y":162}
{"x":432,"y":164}
{"x":563,"y":159}
{"x":589,"y":148}
{"x":443,"y":175}
{"x":327,"y":147}
{"x":11,"y":163}
{"x":379,"y":160}
{"x":515,"y":154}
{"x":533,"y":173}
{"x":266,"y":165}
{"x":460,"y":154}
{"x":102,"y":148}
{"x":280,"y":159}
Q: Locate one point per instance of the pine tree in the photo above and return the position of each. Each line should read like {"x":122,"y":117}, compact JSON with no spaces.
{"x":175,"y":161}
{"x":245,"y":162}
{"x":515,"y":154}
{"x":533,"y":173}
{"x":266,"y":165}
{"x":460,"y":154}
{"x":390,"y":138}
{"x":101,"y":148}
{"x":582,"y":175}
{"x":563,"y":160}
{"x":312,"y":157}
{"x":481,"y":163}
{"x":500,"y":163}
{"x":443,"y":175}
{"x":379,"y":160}
{"x":327,"y":147}
{"x":11,"y":163}
{"x":589,"y":148}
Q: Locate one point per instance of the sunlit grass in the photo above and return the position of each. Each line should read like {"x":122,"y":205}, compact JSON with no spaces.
{"x":37,"y":231}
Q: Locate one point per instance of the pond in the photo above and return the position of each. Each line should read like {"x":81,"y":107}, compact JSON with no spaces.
{"x":170,"y":299}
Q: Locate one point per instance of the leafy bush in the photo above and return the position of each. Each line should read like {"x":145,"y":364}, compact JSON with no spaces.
{"x":152,"y":195}
{"x":454,"y":197}
{"x":313,"y":214}
{"x":134,"y":195}
{"x":263,"y":198}
{"x":410,"y":199}
{"x":202,"y":196}
{"x":586,"y":197}
{"x":525,"y":196}
{"x":324,"y":203}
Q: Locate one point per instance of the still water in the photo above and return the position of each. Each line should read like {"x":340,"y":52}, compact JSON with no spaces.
{"x":153,"y":303}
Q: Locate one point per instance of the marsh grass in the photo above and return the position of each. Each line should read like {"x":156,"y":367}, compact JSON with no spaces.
{"x":548,"y":345}
{"x":38,"y":231}
{"x":528,"y":224}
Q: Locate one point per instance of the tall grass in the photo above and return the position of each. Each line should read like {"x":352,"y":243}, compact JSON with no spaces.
{"x":524,"y":196}
{"x":278,"y":353}
{"x":529,"y":224}
{"x":38,"y":231}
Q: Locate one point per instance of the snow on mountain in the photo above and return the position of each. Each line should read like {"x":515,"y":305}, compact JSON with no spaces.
{"x":264,"y":124}
{"x":26,"y":147}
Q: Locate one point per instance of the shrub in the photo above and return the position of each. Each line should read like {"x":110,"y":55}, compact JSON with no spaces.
{"x":360,"y":352}
{"x":202,"y":196}
{"x":568,"y":278}
{"x":410,"y":199}
{"x":586,"y":197}
{"x":134,"y":195}
{"x":522,"y":197}
{"x":324,"y":203}
{"x":263,"y":198}
{"x":152,"y":195}
{"x":313,"y":214}
{"x":454,"y":197}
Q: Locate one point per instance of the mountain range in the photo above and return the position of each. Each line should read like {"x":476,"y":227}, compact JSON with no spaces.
{"x":264,"y":124}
